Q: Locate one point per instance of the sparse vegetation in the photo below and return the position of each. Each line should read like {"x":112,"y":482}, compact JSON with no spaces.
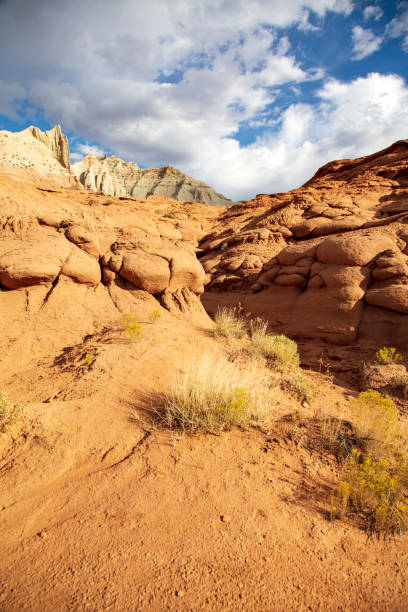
{"x":131,"y":327}
{"x":387,"y":355}
{"x":375,"y":491}
{"x":169,"y":215}
{"x":281,"y":351}
{"x":154,"y":316}
{"x":89,"y":359}
{"x":9,"y":414}
{"x":376,"y":420}
{"x":300,"y":386}
{"x":213,"y":395}
{"x":229,"y":323}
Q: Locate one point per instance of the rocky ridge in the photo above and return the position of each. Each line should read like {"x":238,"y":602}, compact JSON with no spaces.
{"x":118,"y":178}
{"x":35,"y":155}
{"x":46,"y":153}
{"x":328,"y":260}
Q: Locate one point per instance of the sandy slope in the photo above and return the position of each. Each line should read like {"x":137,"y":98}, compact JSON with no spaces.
{"x":101,"y":511}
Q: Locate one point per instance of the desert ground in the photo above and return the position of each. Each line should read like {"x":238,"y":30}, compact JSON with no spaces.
{"x":106,"y":302}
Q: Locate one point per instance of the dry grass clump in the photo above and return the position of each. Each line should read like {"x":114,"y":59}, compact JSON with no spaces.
{"x":213,"y":395}
{"x":9,"y":414}
{"x":281,"y":351}
{"x":300,"y":386}
{"x":229,"y":323}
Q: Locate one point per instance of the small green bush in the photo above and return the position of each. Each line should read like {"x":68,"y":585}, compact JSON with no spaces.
{"x":89,"y":359}
{"x":229,"y":323}
{"x":376,"y":419}
{"x":9,"y":414}
{"x":154,"y":316}
{"x":301,"y":387}
{"x":281,"y":351}
{"x":388,"y":354}
{"x":169,"y":215}
{"x":372,"y":489}
{"x":131,"y":327}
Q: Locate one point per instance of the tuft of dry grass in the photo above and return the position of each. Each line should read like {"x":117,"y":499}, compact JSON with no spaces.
{"x":229,"y":323}
{"x":213,"y":394}
{"x":9,"y":414}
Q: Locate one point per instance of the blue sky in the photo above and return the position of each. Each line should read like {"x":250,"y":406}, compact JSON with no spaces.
{"x":250,"y":96}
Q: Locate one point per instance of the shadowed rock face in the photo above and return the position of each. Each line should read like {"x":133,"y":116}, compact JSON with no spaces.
{"x":118,"y":178}
{"x":328,"y":260}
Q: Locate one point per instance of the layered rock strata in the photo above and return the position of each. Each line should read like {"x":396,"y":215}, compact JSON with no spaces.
{"x":118,"y":178}
{"x":328,"y":260}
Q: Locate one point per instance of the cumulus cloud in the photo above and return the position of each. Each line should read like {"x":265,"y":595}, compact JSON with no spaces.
{"x":364,"y":42}
{"x":162,"y":82}
{"x":372,"y":12}
{"x":82,"y":149}
{"x":398,"y":27}
{"x":351,"y":120}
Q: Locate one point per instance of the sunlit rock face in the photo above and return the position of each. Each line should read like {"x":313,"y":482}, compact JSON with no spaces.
{"x":118,"y":178}
{"x":328,"y":260}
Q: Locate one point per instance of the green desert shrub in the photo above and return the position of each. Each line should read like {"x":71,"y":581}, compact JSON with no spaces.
{"x":388,"y":354}
{"x":213,"y":395}
{"x":154,"y":316}
{"x":229,"y":323}
{"x":300,"y":386}
{"x":131,"y":327}
{"x":376,"y":420}
{"x":9,"y":414}
{"x":281,"y":351}
{"x":373,"y":490}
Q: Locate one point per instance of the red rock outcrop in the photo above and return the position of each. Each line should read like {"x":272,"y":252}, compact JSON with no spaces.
{"x":328,"y":260}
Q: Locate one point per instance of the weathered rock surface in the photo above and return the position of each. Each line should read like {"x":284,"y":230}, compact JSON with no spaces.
{"x":116,"y":177}
{"x":330,"y":258}
{"x":47,"y":152}
{"x":327,"y":261}
{"x":53,"y":239}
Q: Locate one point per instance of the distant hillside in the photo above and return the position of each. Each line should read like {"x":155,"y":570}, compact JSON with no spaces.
{"x":47,"y":154}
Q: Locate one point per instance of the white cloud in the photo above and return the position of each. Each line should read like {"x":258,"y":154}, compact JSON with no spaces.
{"x":82,"y":149}
{"x":305,"y":24}
{"x":364,"y":43}
{"x":398,"y":28}
{"x":372,"y":12}
{"x":229,"y":60}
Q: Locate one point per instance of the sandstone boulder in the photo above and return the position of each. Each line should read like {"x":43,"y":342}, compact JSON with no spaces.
{"x":146,"y":271}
